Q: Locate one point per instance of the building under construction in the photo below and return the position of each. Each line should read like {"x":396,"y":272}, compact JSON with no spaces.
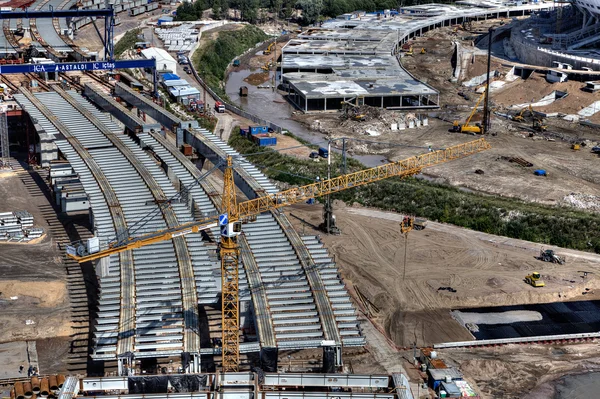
{"x":324,"y":69}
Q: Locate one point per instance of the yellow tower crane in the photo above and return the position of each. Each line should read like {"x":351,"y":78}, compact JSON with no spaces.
{"x":233,"y":213}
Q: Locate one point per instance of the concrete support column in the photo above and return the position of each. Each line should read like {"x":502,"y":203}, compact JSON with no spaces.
{"x":325,"y":103}
{"x":381,"y":102}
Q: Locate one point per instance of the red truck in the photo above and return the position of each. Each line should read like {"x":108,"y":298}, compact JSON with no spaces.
{"x":219,"y":107}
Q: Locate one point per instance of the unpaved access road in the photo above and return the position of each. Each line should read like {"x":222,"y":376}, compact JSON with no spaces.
{"x":485,"y":270}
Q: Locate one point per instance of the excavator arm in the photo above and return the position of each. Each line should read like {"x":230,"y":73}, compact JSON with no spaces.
{"x":403,"y":168}
{"x":475,"y":109}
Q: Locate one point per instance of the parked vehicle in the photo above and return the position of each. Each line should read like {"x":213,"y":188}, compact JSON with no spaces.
{"x":323,"y":152}
{"x":219,"y":107}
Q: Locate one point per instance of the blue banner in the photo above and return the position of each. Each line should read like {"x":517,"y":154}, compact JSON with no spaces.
{"x":76,"y":66}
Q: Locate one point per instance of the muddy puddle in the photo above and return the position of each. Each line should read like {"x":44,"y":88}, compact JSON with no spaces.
{"x":268,"y":104}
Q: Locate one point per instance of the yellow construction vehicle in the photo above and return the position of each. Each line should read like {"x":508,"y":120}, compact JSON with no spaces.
{"x":410,"y":51}
{"x":535,"y":280}
{"x":538,"y":125}
{"x":466,"y":128}
{"x":520,"y":118}
{"x":269,"y":49}
{"x":232,"y":214}
{"x":423,"y":51}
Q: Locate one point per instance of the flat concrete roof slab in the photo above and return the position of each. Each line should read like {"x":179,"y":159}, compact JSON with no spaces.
{"x":314,"y":85}
{"x":320,"y":61}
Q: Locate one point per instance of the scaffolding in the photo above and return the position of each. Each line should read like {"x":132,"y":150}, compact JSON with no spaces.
{"x":4,"y":144}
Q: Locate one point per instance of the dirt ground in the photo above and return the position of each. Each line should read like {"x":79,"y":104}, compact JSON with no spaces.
{"x":528,"y":371}
{"x":33,"y":281}
{"x":485,"y":270}
{"x":16,"y":354}
{"x":290,"y":146}
{"x":568,"y":171}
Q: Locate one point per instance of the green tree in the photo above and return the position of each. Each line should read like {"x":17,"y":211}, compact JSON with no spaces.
{"x":311,"y":10}
{"x":217,"y":10}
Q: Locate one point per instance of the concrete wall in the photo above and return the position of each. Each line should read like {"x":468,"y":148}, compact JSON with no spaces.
{"x":528,"y":53}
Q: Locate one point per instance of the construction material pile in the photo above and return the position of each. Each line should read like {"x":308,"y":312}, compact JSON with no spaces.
{"x":583,"y":201}
{"x":17,"y":226}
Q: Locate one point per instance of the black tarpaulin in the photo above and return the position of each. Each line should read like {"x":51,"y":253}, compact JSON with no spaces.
{"x":268,"y":359}
{"x":260,"y":374}
{"x":153,"y":384}
{"x":188,"y":382}
{"x":185,"y":360}
{"x":328,"y":360}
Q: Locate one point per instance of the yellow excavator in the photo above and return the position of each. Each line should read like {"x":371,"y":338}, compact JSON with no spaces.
{"x":233,"y":213}
{"x":520,"y":118}
{"x":535,"y":280}
{"x":467,"y":128}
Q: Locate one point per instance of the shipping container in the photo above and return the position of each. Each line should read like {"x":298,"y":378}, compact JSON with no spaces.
{"x":187,"y":150}
{"x":258,"y":129}
{"x":137,"y":11}
{"x":264,"y":140}
{"x":244,"y":132}
{"x":323,"y":152}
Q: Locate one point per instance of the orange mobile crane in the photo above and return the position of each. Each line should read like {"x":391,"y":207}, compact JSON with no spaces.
{"x":232,"y":213}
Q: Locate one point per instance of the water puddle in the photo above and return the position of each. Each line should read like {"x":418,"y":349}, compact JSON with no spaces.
{"x":270,"y":105}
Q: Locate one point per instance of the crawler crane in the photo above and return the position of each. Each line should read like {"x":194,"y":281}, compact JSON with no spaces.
{"x":232,"y":213}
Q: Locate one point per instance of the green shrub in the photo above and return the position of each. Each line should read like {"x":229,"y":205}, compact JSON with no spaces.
{"x":212,"y":59}
{"x":560,"y":226}
{"x":127,"y":41}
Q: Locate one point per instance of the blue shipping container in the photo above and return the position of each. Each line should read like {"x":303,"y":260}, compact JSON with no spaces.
{"x":265,"y":141}
{"x":258,"y":129}
{"x":244,"y":132}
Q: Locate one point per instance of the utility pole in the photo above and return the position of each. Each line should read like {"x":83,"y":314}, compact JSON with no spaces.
{"x":4,"y":143}
{"x":344,"y":156}
{"x":328,"y":212}
{"x":486,"y":104}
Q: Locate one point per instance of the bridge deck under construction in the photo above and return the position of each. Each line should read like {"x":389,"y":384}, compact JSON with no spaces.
{"x":297,"y":296}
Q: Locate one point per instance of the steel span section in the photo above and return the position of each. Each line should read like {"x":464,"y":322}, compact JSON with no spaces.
{"x":137,"y":202}
{"x":109,"y":104}
{"x":157,"y":113}
{"x":249,"y":275}
{"x":264,"y":279}
{"x":276,"y":271}
{"x":99,"y":187}
{"x":343,"y":308}
{"x":322,"y":300}
{"x":191,"y":340}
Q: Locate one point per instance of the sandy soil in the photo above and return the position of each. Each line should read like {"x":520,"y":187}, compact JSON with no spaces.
{"x":15,"y":354}
{"x":258,"y":78}
{"x":294,"y":147}
{"x":485,"y":270}
{"x":34,"y":273}
{"x":569,"y":171}
{"x":524,"y":371}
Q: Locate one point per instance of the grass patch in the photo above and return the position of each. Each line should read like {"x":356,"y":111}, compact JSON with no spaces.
{"x":211,"y":60}
{"x":127,"y":42}
{"x":560,"y":226}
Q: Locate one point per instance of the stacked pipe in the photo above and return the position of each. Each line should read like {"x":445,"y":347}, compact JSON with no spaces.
{"x":35,"y":385}
{"x":19,"y":391}
{"x":38,"y":387}
{"x":44,"y":390}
